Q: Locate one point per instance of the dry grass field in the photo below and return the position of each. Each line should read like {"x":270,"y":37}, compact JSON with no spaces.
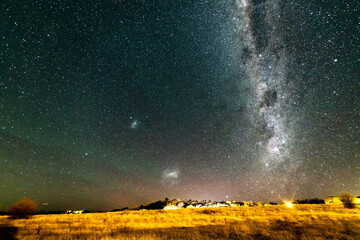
{"x":258,"y":222}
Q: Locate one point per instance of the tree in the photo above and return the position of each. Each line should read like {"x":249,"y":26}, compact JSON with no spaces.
{"x":22,"y":209}
{"x":309,"y":201}
{"x":348,"y":200}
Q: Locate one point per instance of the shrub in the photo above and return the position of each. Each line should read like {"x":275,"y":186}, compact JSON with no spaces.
{"x":209,"y":211}
{"x":155,"y":205}
{"x":309,"y":201}
{"x":22,"y":209}
{"x":348,"y":200}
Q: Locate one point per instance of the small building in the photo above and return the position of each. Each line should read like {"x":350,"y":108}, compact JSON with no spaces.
{"x":332,"y":200}
{"x":74,"y":211}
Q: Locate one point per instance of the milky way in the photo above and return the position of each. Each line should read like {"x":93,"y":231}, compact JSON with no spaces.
{"x":266,"y":70}
{"x":107,"y":104}
{"x":264,"y":61}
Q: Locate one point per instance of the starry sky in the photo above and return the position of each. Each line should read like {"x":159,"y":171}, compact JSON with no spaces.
{"x":107,"y":104}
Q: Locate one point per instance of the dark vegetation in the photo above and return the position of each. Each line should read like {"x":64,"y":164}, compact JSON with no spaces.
{"x":22,"y":209}
{"x":348,"y":200}
{"x":310,"y":201}
{"x":154,"y":205}
{"x":8,"y":232}
{"x":119,"y":209}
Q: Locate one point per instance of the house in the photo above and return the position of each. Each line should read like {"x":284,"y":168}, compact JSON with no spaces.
{"x":332,"y":200}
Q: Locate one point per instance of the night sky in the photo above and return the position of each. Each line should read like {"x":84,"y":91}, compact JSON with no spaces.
{"x":107,"y":104}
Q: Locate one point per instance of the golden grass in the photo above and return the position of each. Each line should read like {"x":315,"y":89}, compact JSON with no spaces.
{"x":259,"y":222}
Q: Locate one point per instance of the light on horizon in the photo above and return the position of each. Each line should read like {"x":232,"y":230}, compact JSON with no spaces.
{"x":289,"y":204}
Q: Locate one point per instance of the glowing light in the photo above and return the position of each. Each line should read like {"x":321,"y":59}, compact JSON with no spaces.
{"x":170,"y":207}
{"x":275,"y":150}
{"x":174,"y":206}
{"x":172,"y":175}
{"x":289,"y":204}
{"x":134,"y":124}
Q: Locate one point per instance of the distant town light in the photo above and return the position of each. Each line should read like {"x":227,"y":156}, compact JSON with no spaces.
{"x":289,"y":204}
